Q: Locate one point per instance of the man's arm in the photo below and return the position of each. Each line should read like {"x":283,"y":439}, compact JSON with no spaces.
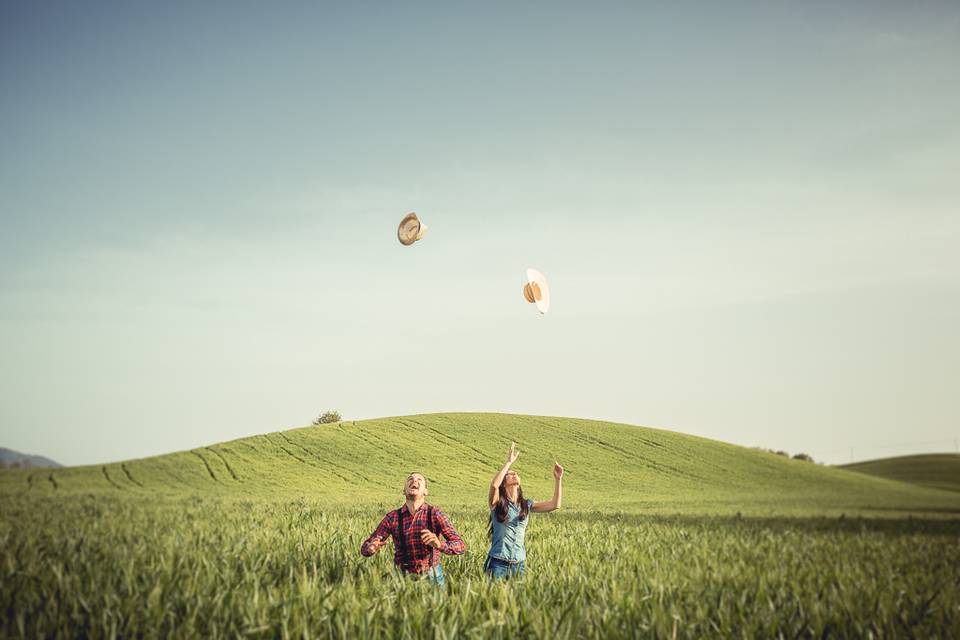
{"x":453,"y":544}
{"x":379,"y":538}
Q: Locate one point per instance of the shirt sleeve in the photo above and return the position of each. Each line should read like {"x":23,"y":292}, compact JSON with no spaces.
{"x":453,"y":545}
{"x":530,"y":505}
{"x":384,"y":529}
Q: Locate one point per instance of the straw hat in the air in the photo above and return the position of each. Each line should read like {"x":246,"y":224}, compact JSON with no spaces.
{"x":536,"y":291}
{"x":410,"y":229}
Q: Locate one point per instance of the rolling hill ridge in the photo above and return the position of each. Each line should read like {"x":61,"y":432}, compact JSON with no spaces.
{"x":934,"y":470}
{"x":608,"y":466}
{"x":10,"y":459}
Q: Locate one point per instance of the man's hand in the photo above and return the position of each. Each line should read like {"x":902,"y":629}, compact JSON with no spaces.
{"x":512,"y":453}
{"x":427,"y":537}
{"x":557,"y":470}
{"x":376,"y":544}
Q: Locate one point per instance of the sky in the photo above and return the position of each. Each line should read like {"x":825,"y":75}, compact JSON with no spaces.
{"x":748,"y":213}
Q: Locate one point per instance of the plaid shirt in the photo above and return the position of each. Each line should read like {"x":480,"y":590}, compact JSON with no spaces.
{"x":409,"y":552}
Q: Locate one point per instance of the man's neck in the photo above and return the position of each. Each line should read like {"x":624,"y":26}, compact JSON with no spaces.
{"x":414,"y":503}
{"x":512,"y":493}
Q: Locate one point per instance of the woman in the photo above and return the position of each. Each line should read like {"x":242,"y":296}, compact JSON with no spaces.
{"x":508,"y":517}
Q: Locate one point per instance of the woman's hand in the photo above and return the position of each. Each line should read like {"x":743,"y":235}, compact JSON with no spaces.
{"x":557,"y":470}
{"x":512,"y":453}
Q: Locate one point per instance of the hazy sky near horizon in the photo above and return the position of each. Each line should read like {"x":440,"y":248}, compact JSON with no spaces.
{"x":748,"y":213}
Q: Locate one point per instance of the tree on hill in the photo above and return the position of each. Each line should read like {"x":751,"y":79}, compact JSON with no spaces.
{"x":327,"y":417}
{"x":800,"y":456}
{"x":776,"y":453}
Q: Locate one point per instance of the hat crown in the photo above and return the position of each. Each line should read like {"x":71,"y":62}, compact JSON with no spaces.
{"x":410,"y":229}
{"x":536,"y":290}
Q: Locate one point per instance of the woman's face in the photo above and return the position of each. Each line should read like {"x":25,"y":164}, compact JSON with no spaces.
{"x":511,"y":479}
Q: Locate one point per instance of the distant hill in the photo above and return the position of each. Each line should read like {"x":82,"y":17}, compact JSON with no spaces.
{"x":610,"y":467}
{"x":936,"y":470}
{"x":10,"y":459}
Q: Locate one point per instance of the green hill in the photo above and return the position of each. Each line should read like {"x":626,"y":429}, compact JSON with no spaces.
{"x":935,"y":470}
{"x":609,"y":466}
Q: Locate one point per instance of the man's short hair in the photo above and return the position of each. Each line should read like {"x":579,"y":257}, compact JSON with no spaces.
{"x":417,"y":473}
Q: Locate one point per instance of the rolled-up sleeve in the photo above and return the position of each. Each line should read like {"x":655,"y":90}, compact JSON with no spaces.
{"x":384,"y":529}
{"x":453,"y":544}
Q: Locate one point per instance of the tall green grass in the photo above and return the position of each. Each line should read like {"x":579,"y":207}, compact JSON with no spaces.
{"x":107,"y":567}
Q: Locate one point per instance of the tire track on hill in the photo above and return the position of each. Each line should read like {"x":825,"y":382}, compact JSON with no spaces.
{"x":356,"y":433}
{"x":129,"y":475}
{"x":109,"y":479}
{"x":678,"y":452}
{"x":637,"y":457}
{"x":254,"y":448}
{"x":285,"y":450}
{"x":483,"y":459}
{"x":645,"y":440}
{"x":332,"y":465}
{"x":593,"y":441}
{"x":225,"y":463}
{"x":206,"y":464}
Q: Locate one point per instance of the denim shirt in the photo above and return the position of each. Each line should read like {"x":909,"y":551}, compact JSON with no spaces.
{"x":508,"y":535}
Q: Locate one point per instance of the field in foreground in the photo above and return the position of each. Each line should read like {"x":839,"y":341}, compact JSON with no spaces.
{"x":661,"y":535}
{"x":934,"y":470}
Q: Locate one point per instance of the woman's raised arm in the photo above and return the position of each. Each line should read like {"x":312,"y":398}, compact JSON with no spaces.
{"x":553,"y":505}
{"x":493,"y":494}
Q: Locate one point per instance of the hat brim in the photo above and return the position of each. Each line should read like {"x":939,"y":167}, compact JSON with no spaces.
{"x":534,"y":276}
{"x":409,"y":230}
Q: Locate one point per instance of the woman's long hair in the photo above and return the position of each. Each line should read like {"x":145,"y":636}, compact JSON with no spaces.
{"x":500,"y":511}
{"x":503,"y":504}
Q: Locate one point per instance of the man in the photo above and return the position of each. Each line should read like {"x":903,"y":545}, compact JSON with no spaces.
{"x":415,"y":527}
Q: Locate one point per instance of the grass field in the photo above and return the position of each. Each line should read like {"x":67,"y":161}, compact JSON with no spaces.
{"x":661,"y":535}
{"x":935,"y":470}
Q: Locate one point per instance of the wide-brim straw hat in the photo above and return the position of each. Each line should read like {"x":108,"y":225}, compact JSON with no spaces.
{"x":537,"y":291}
{"x":410,"y":229}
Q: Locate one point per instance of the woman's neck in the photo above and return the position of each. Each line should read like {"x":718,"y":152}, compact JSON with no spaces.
{"x":512,"y":493}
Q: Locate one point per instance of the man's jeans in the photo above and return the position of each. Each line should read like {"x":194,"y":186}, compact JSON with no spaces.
{"x":501,"y":569}
{"x":434,"y":575}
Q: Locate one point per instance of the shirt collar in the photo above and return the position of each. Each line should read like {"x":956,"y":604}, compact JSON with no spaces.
{"x":422,"y":505}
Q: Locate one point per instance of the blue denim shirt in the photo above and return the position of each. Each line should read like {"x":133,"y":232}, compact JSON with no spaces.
{"x":508,"y":535}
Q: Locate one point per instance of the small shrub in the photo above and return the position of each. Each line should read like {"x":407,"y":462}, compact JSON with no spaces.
{"x":803,"y":456}
{"x":776,"y":453}
{"x":327,"y":417}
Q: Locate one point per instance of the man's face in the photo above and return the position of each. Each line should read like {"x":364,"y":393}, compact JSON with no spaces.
{"x":415,"y":486}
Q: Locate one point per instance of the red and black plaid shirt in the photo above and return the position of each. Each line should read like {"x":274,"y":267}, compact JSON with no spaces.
{"x":409,"y":552}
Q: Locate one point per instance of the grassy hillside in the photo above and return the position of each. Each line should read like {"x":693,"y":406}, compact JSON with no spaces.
{"x":621,"y":466}
{"x":935,"y":470}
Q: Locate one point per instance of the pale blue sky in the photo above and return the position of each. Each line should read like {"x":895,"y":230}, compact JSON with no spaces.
{"x":748,"y":214}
